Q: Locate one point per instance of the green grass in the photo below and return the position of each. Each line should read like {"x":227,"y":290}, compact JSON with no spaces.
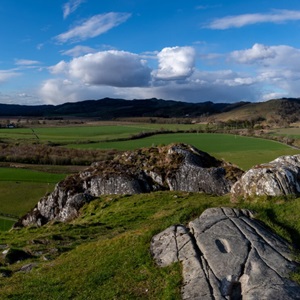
{"x":242,"y":151}
{"x":6,"y":223}
{"x":21,"y":189}
{"x":79,"y":134}
{"x":25,"y":175}
{"x":104,"y":254}
{"x":17,"y":198}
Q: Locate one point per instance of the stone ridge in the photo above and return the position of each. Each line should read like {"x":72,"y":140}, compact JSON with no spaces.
{"x":226,"y":254}
{"x":178,"y":167}
{"x":277,"y":178}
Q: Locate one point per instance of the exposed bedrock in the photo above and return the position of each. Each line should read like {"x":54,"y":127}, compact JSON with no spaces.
{"x":276,"y":178}
{"x":178,"y":167}
{"x":226,"y":254}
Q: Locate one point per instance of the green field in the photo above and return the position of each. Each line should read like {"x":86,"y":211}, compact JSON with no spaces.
{"x":104,"y":254}
{"x":84,"y":133}
{"x":6,"y":223}
{"x":242,"y":151}
{"x":21,"y":189}
{"x":24,"y":175}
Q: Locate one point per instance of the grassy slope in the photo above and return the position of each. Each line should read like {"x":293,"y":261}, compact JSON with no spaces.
{"x":104,"y":254}
{"x":251,"y":111}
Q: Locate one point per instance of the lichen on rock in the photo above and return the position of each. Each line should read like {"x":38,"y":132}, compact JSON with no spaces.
{"x":279,"y":177}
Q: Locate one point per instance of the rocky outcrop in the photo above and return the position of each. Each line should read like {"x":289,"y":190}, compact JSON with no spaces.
{"x":226,"y":254}
{"x":279,"y":177}
{"x":176,"y":167}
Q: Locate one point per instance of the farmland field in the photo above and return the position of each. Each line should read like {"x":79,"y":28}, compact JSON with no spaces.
{"x":242,"y":151}
{"x":74,"y":134}
{"x":104,"y":254}
{"x":21,"y":189}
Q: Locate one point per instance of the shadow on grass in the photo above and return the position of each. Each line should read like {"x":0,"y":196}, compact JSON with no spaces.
{"x":294,"y":234}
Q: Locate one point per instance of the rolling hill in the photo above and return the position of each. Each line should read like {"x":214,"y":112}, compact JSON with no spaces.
{"x":273,"y":111}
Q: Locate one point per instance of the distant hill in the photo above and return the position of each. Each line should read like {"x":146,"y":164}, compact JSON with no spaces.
{"x":109,"y":108}
{"x":276,"y":110}
{"x":286,"y":110}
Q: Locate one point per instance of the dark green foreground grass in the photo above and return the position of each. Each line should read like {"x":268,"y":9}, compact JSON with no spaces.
{"x":104,"y":254}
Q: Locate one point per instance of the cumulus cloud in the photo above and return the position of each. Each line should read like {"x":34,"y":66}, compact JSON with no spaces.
{"x":256,"y":54}
{"x":93,"y":27}
{"x":276,"y":16}
{"x":217,"y":86}
{"x":60,"y":90}
{"x":175,"y":63}
{"x":111,"y":68}
{"x":260,"y":72}
{"x":59,"y":68}
{"x":71,"y":6}
{"x":280,"y":56}
{"x":276,"y":67}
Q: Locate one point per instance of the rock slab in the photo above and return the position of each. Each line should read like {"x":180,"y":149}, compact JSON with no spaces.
{"x":226,"y":254}
{"x":277,"y":178}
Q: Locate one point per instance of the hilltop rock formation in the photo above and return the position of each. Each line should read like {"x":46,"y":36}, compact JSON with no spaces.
{"x":226,"y":254}
{"x":175,"y":167}
{"x":276,"y":178}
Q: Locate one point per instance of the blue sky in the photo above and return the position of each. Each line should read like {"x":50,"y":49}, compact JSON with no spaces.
{"x":54,"y":51}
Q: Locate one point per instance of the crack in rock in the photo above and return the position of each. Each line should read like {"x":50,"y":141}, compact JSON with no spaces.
{"x":225,"y":254}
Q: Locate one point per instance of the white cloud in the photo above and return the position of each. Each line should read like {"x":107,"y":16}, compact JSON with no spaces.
{"x":265,"y":71}
{"x":7,"y":74}
{"x":93,"y":27}
{"x":71,"y":6}
{"x":59,"y":68}
{"x":58,"y":91}
{"x":205,"y":88}
{"x":26,"y":62}
{"x":276,"y":16}
{"x":111,"y":68}
{"x":281,"y":56}
{"x":175,"y":63}
{"x":256,"y":54}
{"x":276,"y":68}
{"x":78,"y":50}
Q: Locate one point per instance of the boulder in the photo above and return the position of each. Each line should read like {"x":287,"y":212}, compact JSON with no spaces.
{"x":175,"y":167}
{"x":276,"y":178}
{"x":227,"y":254}
{"x":12,"y":255}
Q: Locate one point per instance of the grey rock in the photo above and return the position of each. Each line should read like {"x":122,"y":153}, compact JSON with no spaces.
{"x":276,"y":178}
{"x":176,"y":167}
{"x":227,"y":254}
{"x":27,"y":268}
{"x":199,"y":172}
